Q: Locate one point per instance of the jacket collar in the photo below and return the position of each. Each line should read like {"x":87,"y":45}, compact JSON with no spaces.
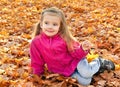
{"x":48,"y":37}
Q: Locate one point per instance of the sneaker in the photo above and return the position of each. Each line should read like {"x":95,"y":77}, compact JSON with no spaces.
{"x":106,"y":65}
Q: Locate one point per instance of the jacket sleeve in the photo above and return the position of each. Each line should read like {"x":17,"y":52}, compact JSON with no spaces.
{"x":78,"y":51}
{"x":37,"y":62}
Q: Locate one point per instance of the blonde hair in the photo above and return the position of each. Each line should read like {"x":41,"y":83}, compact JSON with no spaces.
{"x":64,"y":31}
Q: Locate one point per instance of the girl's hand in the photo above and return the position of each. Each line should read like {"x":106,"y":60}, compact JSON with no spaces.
{"x":86,"y":45}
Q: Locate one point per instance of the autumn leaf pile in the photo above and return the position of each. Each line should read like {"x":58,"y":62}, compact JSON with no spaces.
{"x":95,"y":20}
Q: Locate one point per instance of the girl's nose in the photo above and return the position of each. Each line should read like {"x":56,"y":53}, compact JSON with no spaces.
{"x":50,"y":26}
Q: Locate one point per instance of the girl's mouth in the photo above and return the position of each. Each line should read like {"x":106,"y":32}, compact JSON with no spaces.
{"x":49,"y":31}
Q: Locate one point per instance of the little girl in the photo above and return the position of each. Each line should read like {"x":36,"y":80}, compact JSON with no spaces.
{"x":54,"y":46}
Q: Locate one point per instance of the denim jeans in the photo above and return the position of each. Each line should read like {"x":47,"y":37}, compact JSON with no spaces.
{"x":85,"y":71}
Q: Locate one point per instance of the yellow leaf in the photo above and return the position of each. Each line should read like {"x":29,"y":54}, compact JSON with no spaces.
{"x":25,"y":74}
{"x":2,"y":71}
{"x":4,"y":33}
{"x":5,"y":9}
{"x":118,"y":29}
{"x":92,"y":56}
{"x":117,"y":67}
{"x":90,"y":30}
{"x":1,"y":79}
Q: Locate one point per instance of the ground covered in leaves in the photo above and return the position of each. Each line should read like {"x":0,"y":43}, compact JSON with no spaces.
{"x":95,"y":20}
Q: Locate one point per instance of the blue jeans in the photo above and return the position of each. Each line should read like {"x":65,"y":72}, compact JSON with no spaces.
{"x":85,"y":71}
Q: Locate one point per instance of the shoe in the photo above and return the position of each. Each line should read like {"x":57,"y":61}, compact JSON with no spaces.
{"x":106,"y":65}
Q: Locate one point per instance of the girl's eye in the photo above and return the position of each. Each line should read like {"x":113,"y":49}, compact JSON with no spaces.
{"x":46,"y":22}
{"x":55,"y":24}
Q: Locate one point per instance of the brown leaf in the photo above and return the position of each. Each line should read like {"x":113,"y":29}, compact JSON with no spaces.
{"x":52,"y":76}
{"x":107,"y":76}
{"x":101,"y":83}
{"x":62,"y":84}
{"x":91,"y":20}
{"x":36,"y":78}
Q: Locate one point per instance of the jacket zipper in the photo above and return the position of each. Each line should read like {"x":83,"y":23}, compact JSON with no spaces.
{"x":50,"y":42}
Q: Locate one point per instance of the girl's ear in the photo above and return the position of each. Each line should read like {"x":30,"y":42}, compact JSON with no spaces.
{"x":41,"y":25}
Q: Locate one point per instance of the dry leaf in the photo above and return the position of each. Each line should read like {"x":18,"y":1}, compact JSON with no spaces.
{"x":88,"y":20}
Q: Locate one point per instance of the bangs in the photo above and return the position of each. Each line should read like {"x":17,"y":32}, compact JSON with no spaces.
{"x":52,"y":14}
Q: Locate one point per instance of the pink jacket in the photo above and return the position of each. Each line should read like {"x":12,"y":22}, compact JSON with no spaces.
{"x":53,"y":52}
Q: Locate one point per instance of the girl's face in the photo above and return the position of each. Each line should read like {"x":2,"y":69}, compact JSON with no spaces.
{"x":50,"y":24}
